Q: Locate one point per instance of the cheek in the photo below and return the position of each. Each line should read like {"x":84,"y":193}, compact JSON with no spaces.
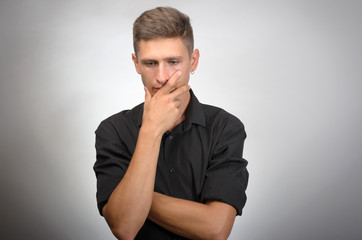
{"x":185,"y":72}
{"x":145,"y":80}
{"x":171,"y":70}
{"x":185,"y":77}
{"x":147,"y":76}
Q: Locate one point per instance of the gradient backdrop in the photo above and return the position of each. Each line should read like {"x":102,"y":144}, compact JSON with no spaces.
{"x":290,"y":70}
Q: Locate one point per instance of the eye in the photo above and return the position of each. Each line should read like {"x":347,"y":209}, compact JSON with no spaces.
{"x":173,"y":62}
{"x":150,"y":64}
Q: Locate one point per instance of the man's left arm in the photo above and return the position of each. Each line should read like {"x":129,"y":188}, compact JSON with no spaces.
{"x":212,"y":220}
{"x":223,"y":195}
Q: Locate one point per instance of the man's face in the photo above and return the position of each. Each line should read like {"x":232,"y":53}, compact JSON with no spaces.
{"x":158,"y":59}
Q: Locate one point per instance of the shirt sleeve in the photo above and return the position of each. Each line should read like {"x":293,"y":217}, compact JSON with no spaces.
{"x":112,"y":161}
{"x":227,"y":176}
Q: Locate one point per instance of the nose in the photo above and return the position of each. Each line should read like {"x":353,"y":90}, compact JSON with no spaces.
{"x":162,"y":74}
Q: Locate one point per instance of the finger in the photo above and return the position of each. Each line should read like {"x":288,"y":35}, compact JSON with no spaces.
{"x":147,"y":94}
{"x":177,"y":103}
{"x":171,"y":83}
{"x":179,"y":91}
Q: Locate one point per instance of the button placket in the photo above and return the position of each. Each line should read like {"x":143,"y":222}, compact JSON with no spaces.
{"x":169,"y":140}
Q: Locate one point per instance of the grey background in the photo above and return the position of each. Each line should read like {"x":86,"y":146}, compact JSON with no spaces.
{"x":290,"y":70}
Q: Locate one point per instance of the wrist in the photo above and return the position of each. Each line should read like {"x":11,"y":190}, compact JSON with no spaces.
{"x":150,"y":133}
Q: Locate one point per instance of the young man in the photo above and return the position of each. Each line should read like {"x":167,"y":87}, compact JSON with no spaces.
{"x":170,"y":168}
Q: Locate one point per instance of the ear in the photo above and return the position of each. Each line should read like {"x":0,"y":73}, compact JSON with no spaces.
{"x":135,"y":61}
{"x":194,"y":60}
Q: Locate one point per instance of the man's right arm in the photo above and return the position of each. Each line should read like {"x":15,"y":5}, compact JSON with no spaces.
{"x":130,"y":202}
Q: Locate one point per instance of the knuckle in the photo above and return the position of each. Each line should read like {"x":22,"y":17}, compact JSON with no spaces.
{"x":167,"y":99}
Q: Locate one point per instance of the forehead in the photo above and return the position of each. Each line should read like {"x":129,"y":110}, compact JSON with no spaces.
{"x":161,"y":48}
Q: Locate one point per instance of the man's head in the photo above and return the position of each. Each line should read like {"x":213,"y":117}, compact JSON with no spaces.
{"x":163,"y":22}
{"x":163,"y":42}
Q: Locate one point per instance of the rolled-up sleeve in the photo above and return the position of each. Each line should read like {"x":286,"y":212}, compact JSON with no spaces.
{"x":227,"y":176}
{"x":112,"y":161}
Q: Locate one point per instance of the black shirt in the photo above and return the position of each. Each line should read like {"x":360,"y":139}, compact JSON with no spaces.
{"x":200,"y":160}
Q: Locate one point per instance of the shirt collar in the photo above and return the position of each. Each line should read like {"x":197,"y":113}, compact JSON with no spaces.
{"x":194,"y":113}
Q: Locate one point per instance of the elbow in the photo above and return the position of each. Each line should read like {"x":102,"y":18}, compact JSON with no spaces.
{"x":218,"y":231}
{"x":120,"y":229}
{"x":123,"y":234}
{"x":218,"y":234}
{"x":123,"y":231}
{"x":221,"y":223}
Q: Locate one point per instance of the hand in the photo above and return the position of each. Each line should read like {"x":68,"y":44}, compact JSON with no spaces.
{"x":163,"y":109}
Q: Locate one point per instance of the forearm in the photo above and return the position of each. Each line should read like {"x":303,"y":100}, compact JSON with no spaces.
{"x":130,"y":202}
{"x":213,"y":220}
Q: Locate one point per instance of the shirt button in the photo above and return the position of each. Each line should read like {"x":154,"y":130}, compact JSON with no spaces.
{"x":170,"y":137}
{"x":172,"y":170}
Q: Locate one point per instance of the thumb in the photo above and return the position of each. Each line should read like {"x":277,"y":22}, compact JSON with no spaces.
{"x":147,"y":94}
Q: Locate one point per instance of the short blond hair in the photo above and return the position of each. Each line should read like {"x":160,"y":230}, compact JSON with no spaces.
{"x":163,"y":22}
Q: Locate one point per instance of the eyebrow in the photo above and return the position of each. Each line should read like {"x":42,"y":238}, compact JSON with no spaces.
{"x":167,"y":59}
